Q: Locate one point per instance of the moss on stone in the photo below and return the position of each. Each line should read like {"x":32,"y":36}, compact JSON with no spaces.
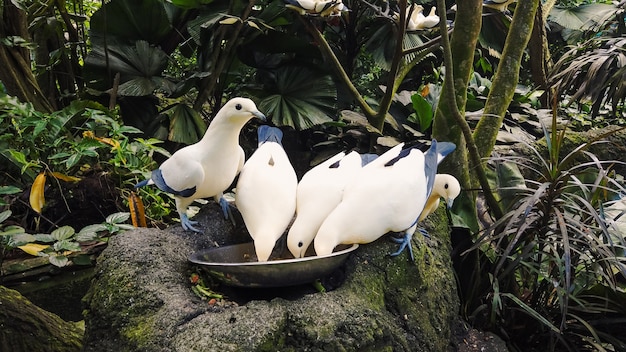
{"x":26,"y":327}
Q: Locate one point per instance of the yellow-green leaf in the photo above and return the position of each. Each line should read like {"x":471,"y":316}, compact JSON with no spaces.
{"x":64,"y":177}
{"x":36,"y":198}
{"x":33,"y":248}
{"x":253,"y":25}
{"x":230,"y":20}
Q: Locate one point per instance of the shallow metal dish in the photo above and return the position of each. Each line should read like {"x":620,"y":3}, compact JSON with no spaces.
{"x":236,"y":265}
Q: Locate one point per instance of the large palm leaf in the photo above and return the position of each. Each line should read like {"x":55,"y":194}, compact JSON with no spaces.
{"x":299,"y":97}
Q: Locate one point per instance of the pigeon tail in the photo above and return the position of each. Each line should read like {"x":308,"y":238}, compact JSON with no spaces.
{"x":143,"y":183}
{"x":269,"y":134}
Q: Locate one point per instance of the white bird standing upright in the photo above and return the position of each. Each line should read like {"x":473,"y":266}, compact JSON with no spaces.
{"x":388,"y":194}
{"x":319,"y":191}
{"x":266,"y":192}
{"x":208,"y":167}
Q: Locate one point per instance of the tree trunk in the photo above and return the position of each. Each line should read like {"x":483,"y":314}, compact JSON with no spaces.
{"x":445,"y":128}
{"x":506,"y":77}
{"x":26,"y":327}
{"x":15,"y":72}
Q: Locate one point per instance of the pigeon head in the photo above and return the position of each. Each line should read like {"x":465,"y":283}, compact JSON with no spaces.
{"x":241,"y":110}
{"x":448,"y":187}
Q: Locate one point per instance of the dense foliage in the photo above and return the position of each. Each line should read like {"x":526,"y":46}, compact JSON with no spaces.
{"x":120,"y":85}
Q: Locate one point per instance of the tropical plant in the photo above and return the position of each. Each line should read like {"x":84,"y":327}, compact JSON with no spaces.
{"x":68,"y":146}
{"x":595,"y":71}
{"x":549,"y":268}
{"x":64,"y":245}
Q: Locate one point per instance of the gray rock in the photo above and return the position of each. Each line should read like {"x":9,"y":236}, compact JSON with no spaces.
{"x":141,"y":298}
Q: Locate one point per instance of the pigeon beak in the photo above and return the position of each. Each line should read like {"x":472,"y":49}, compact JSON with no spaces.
{"x":450,"y":202}
{"x":259,"y":115}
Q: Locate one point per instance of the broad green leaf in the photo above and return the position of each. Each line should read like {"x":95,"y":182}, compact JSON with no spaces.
{"x":18,"y":236}
{"x":5,"y":214}
{"x":86,"y":236}
{"x":423,"y":111}
{"x":58,"y":260}
{"x":82,"y":259}
{"x":117,"y":218}
{"x":63,"y":233}
{"x":66,"y":245}
{"x":44,"y":237}
{"x":298,"y":97}
{"x":93,"y":228}
{"x":9,"y":190}
{"x":584,"y":17}
{"x":186,"y":125}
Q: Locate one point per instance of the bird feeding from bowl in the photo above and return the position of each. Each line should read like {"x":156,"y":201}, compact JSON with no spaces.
{"x":266,"y":192}
{"x":387,"y":195}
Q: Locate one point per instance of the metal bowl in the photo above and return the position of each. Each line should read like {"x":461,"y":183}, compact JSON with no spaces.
{"x":236,"y":265}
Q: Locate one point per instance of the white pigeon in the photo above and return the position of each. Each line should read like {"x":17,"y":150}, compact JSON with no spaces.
{"x":319,"y":192}
{"x":323,"y":8}
{"x":387,"y":195}
{"x":426,"y":22}
{"x":266,"y":192}
{"x":207,"y":168}
{"x":498,"y":5}
{"x":414,"y":17}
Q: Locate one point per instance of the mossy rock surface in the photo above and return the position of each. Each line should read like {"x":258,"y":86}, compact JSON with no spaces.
{"x":24,"y":327}
{"x":141,"y":298}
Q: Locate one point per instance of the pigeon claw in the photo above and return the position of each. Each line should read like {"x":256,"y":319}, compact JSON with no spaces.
{"x":228,"y":214}
{"x":188,"y":225}
{"x":405,"y":242}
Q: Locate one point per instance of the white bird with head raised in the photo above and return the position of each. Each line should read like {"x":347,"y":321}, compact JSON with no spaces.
{"x":319,"y":192}
{"x":266,"y":192}
{"x":206,"y":168}
{"x":387,"y":195}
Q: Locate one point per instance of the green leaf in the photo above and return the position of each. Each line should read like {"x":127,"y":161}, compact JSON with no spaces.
{"x":58,"y":260}
{"x":423,"y":111}
{"x":584,"y":17}
{"x":66,"y":245}
{"x":86,"y":236}
{"x":298,"y":97}
{"x":117,"y":218}
{"x":44,"y":237}
{"x":9,"y":190}
{"x":93,"y":228}
{"x":186,"y":125}
{"x":82,"y":259}
{"x":63,"y":233}
{"x":530,"y":311}
{"x":4,"y":215}
{"x":21,"y":239}
{"x":13,"y":230}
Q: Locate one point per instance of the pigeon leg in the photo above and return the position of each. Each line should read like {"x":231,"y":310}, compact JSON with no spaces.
{"x":188,"y":224}
{"x":405,"y":242}
{"x":228,"y":214}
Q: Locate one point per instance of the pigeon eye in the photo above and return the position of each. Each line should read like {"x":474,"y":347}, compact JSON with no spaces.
{"x":300,"y":244}
{"x":238,"y":106}
{"x":445,"y":186}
